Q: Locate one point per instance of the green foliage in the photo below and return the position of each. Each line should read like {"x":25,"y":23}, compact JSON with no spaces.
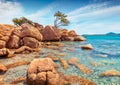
{"x":60,"y":19}
{"x":22,"y":20}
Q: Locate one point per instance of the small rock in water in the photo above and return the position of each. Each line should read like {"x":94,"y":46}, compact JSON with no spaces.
{"x":87,"y":47}
{"x":112,"y":72}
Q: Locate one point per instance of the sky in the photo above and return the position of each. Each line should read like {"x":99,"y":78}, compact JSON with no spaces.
{"x":85,"y":16}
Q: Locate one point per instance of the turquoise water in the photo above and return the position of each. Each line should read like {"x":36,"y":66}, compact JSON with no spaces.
{"x":106,"y":54}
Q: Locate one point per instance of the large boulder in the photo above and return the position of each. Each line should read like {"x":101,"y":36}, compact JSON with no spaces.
{"x":42,"y":72}
{"x":51,"y":33}
{"x":31,"y":42}
{"x":30,"y":31}
{"x":14,"y":42}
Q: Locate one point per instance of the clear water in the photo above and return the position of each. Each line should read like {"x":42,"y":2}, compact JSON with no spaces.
{"x":106,"y":53}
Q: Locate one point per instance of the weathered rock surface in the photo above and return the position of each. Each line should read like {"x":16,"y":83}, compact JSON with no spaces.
{"x":87,"y":47}
{"x":2,"y":68}
{"x":30,"y":31}
{"x":31,"y":42}
{"x":13,"y":42}
{"x":50,"y":33}
{"x":112,"y":72}
{"x":42,"y":72}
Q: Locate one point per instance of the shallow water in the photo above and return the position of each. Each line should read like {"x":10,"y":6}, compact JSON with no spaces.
{"x":106,"y":55}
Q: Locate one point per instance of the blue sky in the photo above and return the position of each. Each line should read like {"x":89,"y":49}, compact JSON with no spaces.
{"x":86,"y":16}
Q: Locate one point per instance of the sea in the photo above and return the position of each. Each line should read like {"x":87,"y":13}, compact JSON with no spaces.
{"x":105,"y":56}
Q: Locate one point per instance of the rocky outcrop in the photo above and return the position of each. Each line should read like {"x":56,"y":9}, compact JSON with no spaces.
{"x":50,"y":33}
{"x":29,"y":35}
{"x":15,"y":37}
{"x":42,"y":72}
{"x":70,"y":36}
{"x":2,"y":68}
{"x":112,"y":72}
{"x":87,"y":47}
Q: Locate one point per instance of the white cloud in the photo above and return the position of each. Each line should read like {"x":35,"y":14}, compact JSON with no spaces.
{"x":9,"y":10}
{"x":93,"y":14}
{"x":95,"y":19}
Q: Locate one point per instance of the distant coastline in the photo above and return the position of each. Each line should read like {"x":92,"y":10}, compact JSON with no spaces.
{"x":109,"y":33}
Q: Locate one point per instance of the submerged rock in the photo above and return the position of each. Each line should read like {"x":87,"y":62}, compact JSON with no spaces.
{"x":112,"y":72}
{"x":64,"y":63}
{"x":2,"y":68}
{"x":87,"y":47}
{"x":84,"y":69}
{"x":42,"y":72}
